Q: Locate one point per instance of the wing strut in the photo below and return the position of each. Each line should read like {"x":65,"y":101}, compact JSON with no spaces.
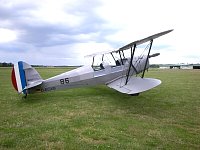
{"x":132,"y":54}
{"x":92,"y":61}
{"x":113,"y":56}
{"x":102,"y":57}
{"x":121,"y":57}
{"x":151,"y":42}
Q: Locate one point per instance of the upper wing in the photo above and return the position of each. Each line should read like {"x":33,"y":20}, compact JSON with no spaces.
{"x":135,"y":84}
{"x":138,"y":42}
{"x":99,"y":53}
{"x":144,"y":40}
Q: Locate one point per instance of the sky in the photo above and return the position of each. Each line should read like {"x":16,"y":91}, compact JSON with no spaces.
{"x":62,"y":32}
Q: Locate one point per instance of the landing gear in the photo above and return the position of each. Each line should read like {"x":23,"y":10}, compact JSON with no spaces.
{"x":24,"y":96}
{"x":136,"y":94}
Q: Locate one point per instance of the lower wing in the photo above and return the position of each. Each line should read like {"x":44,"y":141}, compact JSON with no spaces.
{"x":135,"y":84}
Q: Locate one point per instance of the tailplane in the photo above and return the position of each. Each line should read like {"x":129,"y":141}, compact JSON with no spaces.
{"x":24,"y":77}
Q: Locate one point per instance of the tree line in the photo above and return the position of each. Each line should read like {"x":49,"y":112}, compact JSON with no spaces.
{"x":4,"y":64}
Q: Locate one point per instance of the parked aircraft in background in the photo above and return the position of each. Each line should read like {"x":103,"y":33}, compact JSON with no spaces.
{"x":118,"y":69}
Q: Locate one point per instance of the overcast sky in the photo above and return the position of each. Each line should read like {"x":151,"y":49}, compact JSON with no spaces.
{"x":62,"y":32}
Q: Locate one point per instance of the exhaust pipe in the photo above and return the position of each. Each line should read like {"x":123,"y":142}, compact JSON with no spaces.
{"x":154,"y":55}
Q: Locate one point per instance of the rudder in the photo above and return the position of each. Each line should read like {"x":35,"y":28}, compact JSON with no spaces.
{"x":23,"y":76}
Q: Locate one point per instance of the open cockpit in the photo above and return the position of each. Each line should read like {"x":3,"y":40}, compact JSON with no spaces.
{"x":110,"y":59}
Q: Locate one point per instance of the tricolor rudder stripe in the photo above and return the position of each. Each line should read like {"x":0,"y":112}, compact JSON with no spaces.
{"x":18,"y":77}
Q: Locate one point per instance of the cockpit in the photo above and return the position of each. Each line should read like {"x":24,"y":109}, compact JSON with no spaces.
{"x":107,"y":60}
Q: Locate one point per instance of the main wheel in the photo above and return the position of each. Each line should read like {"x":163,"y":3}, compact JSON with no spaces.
{"x":136,"y":94}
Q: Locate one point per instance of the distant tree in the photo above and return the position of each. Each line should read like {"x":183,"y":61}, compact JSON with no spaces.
{"x":154,"y":66}
{"x":4,"y":64}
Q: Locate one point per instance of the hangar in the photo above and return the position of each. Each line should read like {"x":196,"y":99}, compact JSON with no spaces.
{"x":196,"y":66}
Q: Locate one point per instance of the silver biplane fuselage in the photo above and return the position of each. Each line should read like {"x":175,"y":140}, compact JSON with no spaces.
{"x":120,"y":75}
{"x":88,"y":75}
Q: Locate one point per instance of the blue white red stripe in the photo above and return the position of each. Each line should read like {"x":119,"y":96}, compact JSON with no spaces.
{"x":22,"y":75}
{"x":18,"y":77}
{"x":13,"y":79}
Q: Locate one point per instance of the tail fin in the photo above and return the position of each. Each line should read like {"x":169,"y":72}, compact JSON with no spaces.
{"x":23,"y":77}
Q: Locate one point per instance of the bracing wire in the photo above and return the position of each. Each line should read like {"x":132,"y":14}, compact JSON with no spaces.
{"x":141,"y":55}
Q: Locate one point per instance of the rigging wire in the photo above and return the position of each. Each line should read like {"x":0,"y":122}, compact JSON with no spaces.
{"x":139,"y":58}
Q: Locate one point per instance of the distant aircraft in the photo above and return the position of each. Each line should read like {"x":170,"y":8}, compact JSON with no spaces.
{"x":122,"y":74}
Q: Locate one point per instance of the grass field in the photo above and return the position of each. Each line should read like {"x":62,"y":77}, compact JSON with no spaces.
{"x":166,"y":117}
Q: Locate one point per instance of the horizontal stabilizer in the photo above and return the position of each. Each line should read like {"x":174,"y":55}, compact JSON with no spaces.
{"x":34,"y":84}
{"x":134,"y":85}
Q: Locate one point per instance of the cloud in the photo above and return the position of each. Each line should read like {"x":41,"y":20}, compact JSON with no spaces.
{"x":7,"y":35}
{"x":36,"y":27}
{"x":67,"y":29}
{"x":44,"y":27}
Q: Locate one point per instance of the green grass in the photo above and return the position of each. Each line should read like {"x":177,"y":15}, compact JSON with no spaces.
{"x":166,"y":117}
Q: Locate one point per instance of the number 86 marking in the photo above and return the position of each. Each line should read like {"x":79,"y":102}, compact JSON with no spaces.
{"x":64,"y":81}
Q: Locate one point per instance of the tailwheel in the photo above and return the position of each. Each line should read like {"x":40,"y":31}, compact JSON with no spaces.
{"x":25,"y":96}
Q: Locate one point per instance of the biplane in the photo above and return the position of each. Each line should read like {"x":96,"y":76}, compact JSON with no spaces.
{"x":125,"y":73}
